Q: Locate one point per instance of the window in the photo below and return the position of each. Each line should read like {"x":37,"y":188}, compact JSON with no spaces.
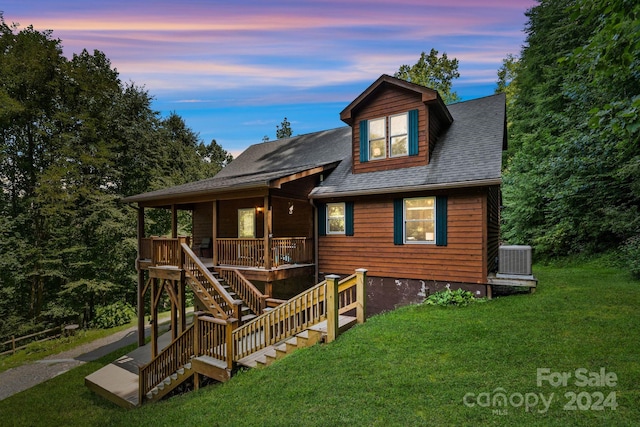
{"x":335,"y":218}
{"x":419,"y":220}
{"x":398,"y":135}
{"x":246,"y":223}
{"x":402,"y":140}
{"x":377,"y":139}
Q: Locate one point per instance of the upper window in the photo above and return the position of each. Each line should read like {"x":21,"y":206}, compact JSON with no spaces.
{"x":387,"y":137}
{"x":335,"y":218}
{"x":419,"y":220}
{"x":398,"y":135}
{"x":377,"y":139}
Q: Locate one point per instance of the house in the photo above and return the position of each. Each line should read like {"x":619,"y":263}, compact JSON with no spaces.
{"x":409,"y":190}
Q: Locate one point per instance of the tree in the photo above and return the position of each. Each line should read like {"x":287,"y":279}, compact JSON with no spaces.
{"x":284,"y":130}
{"x":73,"y":141}
{"x":570,"y":184}
{"x":433,"y":72}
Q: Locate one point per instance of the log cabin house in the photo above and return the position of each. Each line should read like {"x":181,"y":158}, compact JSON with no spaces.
{"x":409,"y":190}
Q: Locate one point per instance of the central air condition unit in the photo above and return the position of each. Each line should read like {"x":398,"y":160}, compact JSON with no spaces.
{"x":514,"y":260}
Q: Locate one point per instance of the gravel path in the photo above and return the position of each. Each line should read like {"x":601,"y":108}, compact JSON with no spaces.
{"x":23,"y":377}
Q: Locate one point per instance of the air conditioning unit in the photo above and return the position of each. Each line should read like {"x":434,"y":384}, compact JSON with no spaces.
{"x":514,"y":260}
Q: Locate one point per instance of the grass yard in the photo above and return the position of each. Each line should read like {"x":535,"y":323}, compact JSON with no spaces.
{"x":418,"y":365}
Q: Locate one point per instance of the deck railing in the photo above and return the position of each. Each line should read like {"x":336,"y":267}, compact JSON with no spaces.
{"x":254,"y":299}
{"x":166,"y":251}
{"x":208,"y":285}
{"x":250,"y":252}
{"x":301,"y":312}
{"x":213,"y":338}
{"x":167,"y":362}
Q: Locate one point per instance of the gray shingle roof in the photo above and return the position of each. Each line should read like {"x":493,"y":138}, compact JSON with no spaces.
{"x":261,"y":163}
{"x":468,"y":153}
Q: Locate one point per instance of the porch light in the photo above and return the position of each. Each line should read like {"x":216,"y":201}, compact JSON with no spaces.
{"x":259,"y":209}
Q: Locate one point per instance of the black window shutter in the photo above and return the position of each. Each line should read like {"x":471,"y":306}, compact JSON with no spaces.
{"x":398,"y":222}
{"x":441,"y":220}
{"x":348,"y":218}
{"x":364,"y":141}
{"x":322,"y":219}
{"x":413,"y":132}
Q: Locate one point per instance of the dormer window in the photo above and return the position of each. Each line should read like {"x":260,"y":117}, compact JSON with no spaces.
{"x":385,"y":137}
{"x":378,"y":139}
{"x":398,"y":135}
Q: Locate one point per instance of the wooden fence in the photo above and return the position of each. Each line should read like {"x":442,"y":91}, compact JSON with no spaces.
{"x":14,"y":343}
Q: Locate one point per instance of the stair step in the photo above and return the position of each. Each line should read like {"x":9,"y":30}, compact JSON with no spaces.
{"x":248,"y":317}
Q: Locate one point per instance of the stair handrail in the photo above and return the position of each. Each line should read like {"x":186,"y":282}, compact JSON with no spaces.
{"x":173,"y":357}
{"x":227,"y":306}
{"x":286,"y":320}
{"x":254,"y":299}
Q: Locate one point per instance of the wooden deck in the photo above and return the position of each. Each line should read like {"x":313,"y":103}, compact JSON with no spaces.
{"x":118,"y":381}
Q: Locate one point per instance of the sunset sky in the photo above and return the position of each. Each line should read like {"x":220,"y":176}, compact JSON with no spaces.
{"x":234,"y":69}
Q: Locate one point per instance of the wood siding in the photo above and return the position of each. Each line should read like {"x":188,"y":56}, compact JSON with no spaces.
{"x":493,"y":227}
{"x":228,"y":216}
{"x":462,"y":260}
{"x":384,"y":104}
{"x":202,"y":223}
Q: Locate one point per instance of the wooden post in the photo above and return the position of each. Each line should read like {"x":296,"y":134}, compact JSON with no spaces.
{"x":214,"y":234}
{"x":174,"y":221}
{"x":174,"y":310}
{"x":140,"y":279}
{"x":154,"y":320}
{"x":231,"y":325}
{"x":361,"y":294}
{"x":196,"y":348}
{"x":267,"y":233}
{"x":182,"y":302}
{"x":196,"y":335}
{"x":332,"y":307}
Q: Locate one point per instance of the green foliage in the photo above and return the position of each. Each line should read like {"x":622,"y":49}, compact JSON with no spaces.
{"x":570,"y":181}
{"x":447,"y":298}
{"x":73,"y":141}
{"x":433,"y":72}
{"x":284,"y":129}
{"x":630,"y":255}
{"x":112,"y":315}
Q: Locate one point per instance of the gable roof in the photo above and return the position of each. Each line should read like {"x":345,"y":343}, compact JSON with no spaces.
{"x":468,"y":153}
{"x":427,"y":96}
{"x":262,"y":164}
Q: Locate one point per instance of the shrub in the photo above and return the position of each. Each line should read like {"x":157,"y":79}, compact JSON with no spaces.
{"x":446,"y":298}
{"x":112,"y":315}
{"x":630,"y":255}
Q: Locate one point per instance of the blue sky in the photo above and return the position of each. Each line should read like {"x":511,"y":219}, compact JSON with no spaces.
{"x":234,"y":69}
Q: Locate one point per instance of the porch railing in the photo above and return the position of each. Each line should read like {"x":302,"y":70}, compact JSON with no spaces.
{"x":205,"y":284}
{"x":251,"y":253}
{"x":162,"y":250}
{"x":174,"y":356}
{"x":302,"y":311}
{"x":255,"y":300}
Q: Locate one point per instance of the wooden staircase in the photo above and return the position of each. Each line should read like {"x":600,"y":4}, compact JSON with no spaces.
{"x":170,"y":383}
{"x":233,"y":333}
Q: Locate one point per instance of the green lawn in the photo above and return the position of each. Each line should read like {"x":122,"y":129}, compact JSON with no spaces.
{"x":417,"y":366}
